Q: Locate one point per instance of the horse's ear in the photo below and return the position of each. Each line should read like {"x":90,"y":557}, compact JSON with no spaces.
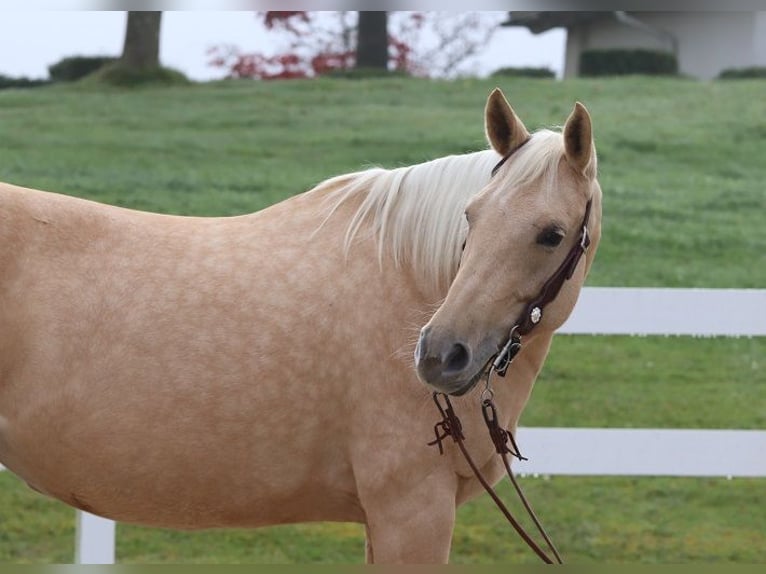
{"x":578,"y":141}
{"x":505,"y":132}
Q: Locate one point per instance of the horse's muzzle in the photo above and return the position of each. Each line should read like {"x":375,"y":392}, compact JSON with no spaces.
{"x":444,"y":362}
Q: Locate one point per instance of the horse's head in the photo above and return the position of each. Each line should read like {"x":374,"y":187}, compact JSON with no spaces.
{"x":521,"y":264}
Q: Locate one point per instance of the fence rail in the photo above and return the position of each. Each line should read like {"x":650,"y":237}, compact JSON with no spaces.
{"x":663,"y":311}
{"x":622,"y":452}
{"x":642,"y":452}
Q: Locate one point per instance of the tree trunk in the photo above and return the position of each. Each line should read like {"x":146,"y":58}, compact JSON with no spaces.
{"x":372,"y":40}
{"x":142,"y":40}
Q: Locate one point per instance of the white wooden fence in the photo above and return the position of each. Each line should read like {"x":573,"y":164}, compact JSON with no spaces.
{"x":626,"y":452}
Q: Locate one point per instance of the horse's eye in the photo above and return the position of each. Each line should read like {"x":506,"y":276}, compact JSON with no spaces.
{"x":550,"y":237}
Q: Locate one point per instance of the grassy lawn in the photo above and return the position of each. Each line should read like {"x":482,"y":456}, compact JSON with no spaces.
{"x":682,"y":167}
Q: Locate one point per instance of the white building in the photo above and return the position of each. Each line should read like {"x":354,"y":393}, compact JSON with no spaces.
{"x":704,"y":43}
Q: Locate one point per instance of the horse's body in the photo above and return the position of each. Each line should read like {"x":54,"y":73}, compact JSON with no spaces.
{"x":246,"y":371}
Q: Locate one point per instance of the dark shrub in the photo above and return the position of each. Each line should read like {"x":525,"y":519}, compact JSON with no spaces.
{"x":511,"y":72}
{"x":74,"y":68}
{"x":364,"y":73}
{"x":117,"y":74}
{"x":8,"y":82}
{"x":743,"y":73}
{"x":624,"y":62}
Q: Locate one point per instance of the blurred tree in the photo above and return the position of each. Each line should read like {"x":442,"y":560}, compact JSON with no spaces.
{"x":372,"y":40}
{"x":426,"y":44}
{"x":141,"y":49}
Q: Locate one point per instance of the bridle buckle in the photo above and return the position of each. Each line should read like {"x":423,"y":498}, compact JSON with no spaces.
{"x":585,"y":241}
{"x":507,"y":353}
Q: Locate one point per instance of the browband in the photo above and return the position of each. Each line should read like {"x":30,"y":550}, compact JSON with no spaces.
{"x":507,"y":156}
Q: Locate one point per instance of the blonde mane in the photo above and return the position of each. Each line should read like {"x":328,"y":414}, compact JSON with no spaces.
{"x":416,"y":214}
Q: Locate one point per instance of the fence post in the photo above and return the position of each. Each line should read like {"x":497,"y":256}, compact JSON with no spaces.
{"x":94,"y":539}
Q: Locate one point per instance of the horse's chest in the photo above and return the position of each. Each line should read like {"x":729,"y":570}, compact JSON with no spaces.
{"x":491,"y":468}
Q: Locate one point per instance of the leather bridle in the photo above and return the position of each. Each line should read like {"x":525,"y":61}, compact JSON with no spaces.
{"x":503,"y":439}
{"x":534,"y":309}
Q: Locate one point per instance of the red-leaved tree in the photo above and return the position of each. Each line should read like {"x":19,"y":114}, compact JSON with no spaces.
{"x":427,"y":44}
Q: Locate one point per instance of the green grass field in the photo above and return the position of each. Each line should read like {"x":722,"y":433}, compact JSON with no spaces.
{"x":682,"y":165}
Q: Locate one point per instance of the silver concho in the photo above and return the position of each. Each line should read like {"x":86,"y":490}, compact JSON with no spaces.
{"x":535,"y":315}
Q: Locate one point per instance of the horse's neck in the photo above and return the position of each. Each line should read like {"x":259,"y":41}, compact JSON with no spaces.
{"x":414,"y":213}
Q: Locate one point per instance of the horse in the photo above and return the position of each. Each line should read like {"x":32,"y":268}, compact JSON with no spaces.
{"x":278,"y":367}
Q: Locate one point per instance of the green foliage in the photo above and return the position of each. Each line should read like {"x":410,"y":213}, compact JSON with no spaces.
{"x":681,"y":166}
{"x":22,"y":82}
{"x":526,"y":72}
{"x":617,"y":62}
{"x":743,"y":73}
{"x":73,"y":68}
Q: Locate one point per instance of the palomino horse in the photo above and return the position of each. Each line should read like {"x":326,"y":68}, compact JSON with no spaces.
{"x":247,"y":371}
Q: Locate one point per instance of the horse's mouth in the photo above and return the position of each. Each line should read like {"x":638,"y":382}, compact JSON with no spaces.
{"x":464,"y":388}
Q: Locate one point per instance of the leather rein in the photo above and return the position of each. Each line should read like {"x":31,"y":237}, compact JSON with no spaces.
{"x":503,"y":439}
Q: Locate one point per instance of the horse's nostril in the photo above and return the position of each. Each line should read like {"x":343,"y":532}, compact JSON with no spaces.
{"x":457,"y":359}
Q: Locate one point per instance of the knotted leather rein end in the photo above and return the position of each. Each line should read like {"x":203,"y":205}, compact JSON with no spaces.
{"x":450,"y":425}
{"x":500,"y":436}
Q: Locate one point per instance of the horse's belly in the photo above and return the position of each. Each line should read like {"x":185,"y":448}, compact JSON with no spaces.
{"x":183,"y":470}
